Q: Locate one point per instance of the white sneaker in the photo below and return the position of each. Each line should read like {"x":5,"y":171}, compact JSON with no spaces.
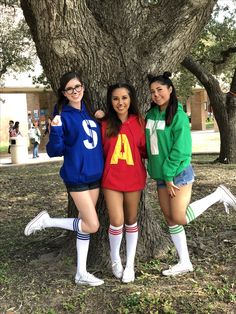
{"x":178,"y":269}
{"x":128,"y":275}
{"x":227,"y":198}
{"x":117,"y":269}
{"x":88,"y":279}
{"x":37,"y":224}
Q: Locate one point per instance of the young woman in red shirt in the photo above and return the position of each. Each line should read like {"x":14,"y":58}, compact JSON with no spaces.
{"x":124,"y":176}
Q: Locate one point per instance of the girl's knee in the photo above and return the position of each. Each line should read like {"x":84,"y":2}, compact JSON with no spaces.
{"x":168,"y":218}
{"x":130,"y":219}
{"x":117,"y":222}
{"x":179,"y":220}
{"x":93,"y":226}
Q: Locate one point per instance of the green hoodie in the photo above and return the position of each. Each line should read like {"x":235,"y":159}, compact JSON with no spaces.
{"x":169,"y":148}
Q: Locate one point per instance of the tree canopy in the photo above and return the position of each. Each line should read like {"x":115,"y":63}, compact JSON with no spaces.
{"x":107,"y":43}
{"x":212,"y":62}
{"x":17,"y":50}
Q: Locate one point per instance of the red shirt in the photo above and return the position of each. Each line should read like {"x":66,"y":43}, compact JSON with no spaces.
{"x":124,"y":168}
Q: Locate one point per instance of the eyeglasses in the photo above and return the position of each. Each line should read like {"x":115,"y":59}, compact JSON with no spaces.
{"x":70,"y":90}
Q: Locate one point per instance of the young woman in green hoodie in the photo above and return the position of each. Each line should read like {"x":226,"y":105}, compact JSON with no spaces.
{"x":169,"y":148}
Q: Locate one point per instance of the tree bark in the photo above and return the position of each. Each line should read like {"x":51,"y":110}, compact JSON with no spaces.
{"x":110,"y":43}
{"x":231,"y":111}
{"x":224,"y":108}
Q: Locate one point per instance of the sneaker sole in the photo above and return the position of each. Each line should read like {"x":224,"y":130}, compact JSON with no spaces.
{"x":85,"y":283}
{"x":33,"y":221}
{"x":178,"y":273}
{"x":131,"y":279}
{"x":128,"y":281}
{"x":118,"y":276}
{"x":229,"y":194}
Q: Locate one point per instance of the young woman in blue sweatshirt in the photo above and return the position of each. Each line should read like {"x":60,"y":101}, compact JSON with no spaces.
{"x":76,"y":136}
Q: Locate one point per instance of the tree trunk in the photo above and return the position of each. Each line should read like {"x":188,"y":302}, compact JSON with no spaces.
{"x":224,"y":108}
{"x":231,"y":111}
{"x":110,"y":43}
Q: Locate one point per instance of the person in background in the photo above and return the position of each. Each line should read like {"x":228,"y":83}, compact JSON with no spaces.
{"x":169,"y":148}
{"x":30,"y":124}
{"x":16,"y":129}
{"x":10,"y":130}
{"x":124,"y":176}
{"x":76,"y":135}
{"x":36,"y":140}
{"x":48,"y":126}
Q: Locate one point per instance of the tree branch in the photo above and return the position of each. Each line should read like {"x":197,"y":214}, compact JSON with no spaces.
{"x":233,"y":84}
{"x":196,"y":69}
{"x":225,"y":54}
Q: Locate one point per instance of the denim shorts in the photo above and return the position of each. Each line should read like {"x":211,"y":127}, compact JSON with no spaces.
{"x":83,"y":187}
{"x":183,"y":178}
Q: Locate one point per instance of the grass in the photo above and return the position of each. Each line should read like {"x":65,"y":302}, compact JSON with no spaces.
{"x":209,"y":125}
{"x":3,"y":148}
{"x":37,"y":273}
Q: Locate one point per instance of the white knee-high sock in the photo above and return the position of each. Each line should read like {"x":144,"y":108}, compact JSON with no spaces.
{"x":82,"y":246}
{"x":73,"y":224}
{"x":131,"y":233}
{"x":178,"y":237}
{"x":115,"y":237}
{"x":196,"y":208}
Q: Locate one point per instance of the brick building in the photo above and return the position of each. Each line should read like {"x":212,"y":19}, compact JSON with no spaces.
{"x":20,"y":103}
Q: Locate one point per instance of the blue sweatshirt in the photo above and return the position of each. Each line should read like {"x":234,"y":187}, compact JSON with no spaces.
{"x":79,"y":141}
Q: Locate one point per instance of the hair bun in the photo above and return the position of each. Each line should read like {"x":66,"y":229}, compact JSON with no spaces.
{"x":166,"y":74}
{"x":150,"y":77}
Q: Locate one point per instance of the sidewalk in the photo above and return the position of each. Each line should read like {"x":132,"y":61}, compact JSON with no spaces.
{"x":5,"y":160}
{"x":203,"y":142}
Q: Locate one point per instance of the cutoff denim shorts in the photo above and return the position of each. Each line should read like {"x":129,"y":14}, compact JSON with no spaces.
{"x":83,"y":187}
{"x":185,"y":177}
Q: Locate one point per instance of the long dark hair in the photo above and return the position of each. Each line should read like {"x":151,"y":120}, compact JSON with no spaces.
{"x":172,"y":107}
{"x":61,"y":98}
{"x":113,"y":122}
{"x":16,"y":125}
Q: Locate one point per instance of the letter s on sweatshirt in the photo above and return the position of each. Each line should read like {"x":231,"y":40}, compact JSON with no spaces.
{"x":91,"y":133}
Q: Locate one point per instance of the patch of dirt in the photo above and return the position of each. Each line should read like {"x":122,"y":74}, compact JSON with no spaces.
{"x":37,"y":273}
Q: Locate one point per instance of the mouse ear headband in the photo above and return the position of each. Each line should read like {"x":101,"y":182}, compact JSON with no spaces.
{"x":152,"y":78}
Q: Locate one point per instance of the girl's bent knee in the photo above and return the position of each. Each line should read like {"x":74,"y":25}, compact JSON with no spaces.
{"x":168,"y":220}
{"x":116,"y":222}
{"x":93,"y":227}
{"x":179,"y":221}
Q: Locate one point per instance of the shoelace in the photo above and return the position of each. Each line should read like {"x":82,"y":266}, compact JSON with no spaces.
{"x":226,"y":206}
{"x":115,"y":263}
{"x":176,"y":267}
{"x":88,"y":276}
{"x":38,"y":229}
